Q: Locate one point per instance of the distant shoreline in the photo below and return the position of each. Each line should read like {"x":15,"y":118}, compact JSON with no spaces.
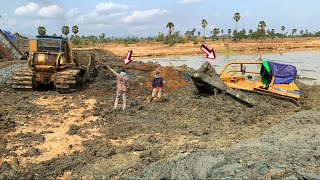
{"x":226,"y":47}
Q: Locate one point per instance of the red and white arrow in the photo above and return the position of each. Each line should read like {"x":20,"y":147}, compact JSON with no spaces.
{"x":128,"y":59}
{"x":210,"y":53}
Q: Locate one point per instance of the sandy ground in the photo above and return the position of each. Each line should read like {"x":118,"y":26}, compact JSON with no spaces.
{"x":47,"y":135}
{"x":147,"y":49}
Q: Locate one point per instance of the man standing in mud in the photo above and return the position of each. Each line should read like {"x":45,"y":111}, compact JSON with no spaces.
{"x":157,"y":84}
{"x":122,"y":87}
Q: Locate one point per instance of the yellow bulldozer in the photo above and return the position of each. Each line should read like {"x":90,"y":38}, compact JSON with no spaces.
{"x":272,"y":79}
{"x":52,"y":62}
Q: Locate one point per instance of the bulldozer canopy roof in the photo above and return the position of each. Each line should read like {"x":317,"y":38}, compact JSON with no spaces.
{"x":283,"y":73}
{"x":51,"y":37}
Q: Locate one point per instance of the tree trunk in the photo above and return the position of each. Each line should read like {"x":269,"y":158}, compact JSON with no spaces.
{"x":236,"y":31}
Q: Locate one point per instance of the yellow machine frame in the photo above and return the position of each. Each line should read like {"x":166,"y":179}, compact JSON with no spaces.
{"x":241,"y":81}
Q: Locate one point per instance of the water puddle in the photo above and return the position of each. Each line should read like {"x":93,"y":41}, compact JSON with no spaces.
{"x":307,"y":63}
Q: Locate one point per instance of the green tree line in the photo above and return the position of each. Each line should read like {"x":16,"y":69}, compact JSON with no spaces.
{"x":174,"y":37}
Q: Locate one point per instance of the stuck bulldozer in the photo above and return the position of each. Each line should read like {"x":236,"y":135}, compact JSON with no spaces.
{"x":52,"y":62}
{"x":237,"y":78}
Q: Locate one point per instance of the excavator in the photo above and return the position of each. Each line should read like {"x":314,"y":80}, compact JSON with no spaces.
{"x":52,"y":62}
{"x":274,"y":79}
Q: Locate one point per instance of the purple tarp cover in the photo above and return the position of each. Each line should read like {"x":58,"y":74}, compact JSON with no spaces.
{"x":283,"y":73}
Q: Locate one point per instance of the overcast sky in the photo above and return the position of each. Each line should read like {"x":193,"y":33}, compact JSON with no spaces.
{"x":148,"y":17}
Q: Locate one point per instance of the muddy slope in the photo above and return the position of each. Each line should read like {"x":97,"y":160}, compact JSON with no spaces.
{"x":79,"y":135}
{"x":287,"y":150}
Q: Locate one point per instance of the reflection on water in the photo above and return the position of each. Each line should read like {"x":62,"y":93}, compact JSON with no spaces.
{"x":307,"y":63}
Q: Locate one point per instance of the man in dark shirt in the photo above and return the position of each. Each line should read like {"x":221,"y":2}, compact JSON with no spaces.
{"x":157,"y":84}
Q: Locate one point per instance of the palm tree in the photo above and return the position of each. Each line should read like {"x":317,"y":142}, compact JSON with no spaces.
{"x":261,"y":27}
{"x":222,"y":34}
{"x":199,"y":33}
{"x":282,"y":29}
{"x":193,"y":31}
{"x":170,"y":26}
{"x":250,"y":32}
{"x":272,"y":33}
{"x":294,"y":31}
{"x":75,"y":29}
{"x":301,"y":32}
{"x":65,"y":30}
{"x":204,"y":25}
{"x":216,"y":31}
{"x":41,"y":31}
{"x":236,"y":17}
{"x":229,"y":32}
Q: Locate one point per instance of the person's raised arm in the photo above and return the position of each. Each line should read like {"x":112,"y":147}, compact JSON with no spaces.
{"x":113,"y":71}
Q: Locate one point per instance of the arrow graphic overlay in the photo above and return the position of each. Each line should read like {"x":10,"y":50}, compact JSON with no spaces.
{"x":128,"y":59}
{"x":210,"y":53}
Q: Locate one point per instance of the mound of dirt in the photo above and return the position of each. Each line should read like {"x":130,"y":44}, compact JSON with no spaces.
{"x":309,"y":96}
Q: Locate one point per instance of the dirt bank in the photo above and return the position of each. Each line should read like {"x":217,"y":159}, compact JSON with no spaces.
{"x":79,"y":135}
{"x":147,"y":49}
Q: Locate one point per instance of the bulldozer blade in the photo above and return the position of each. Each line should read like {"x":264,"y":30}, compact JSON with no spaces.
{"x":208,"y":81}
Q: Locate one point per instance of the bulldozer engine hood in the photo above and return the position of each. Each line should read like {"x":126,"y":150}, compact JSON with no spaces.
{"x":48,"y":59}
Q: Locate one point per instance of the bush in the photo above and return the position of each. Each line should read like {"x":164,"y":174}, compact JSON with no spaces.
{"x":76,"y":40}
{"x":172,"y":39}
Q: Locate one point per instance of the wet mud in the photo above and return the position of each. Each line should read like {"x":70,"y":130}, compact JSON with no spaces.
{"x":187,"y":135}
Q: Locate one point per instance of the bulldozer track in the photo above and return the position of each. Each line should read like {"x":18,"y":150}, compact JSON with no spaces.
{"x":66,"y":81}
{"x":22,"y":79}
{"x":288,"y":99}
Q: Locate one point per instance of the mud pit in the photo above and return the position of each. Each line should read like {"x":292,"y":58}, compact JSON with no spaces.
{"x":50,"y":135}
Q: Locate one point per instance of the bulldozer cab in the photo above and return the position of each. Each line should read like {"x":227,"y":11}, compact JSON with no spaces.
{"x":51,"y":44}
{"x":52,"y":51}
{"x":235,"y":71}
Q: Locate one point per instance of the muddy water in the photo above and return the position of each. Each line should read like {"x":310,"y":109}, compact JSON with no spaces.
{"x":307,"y":63}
